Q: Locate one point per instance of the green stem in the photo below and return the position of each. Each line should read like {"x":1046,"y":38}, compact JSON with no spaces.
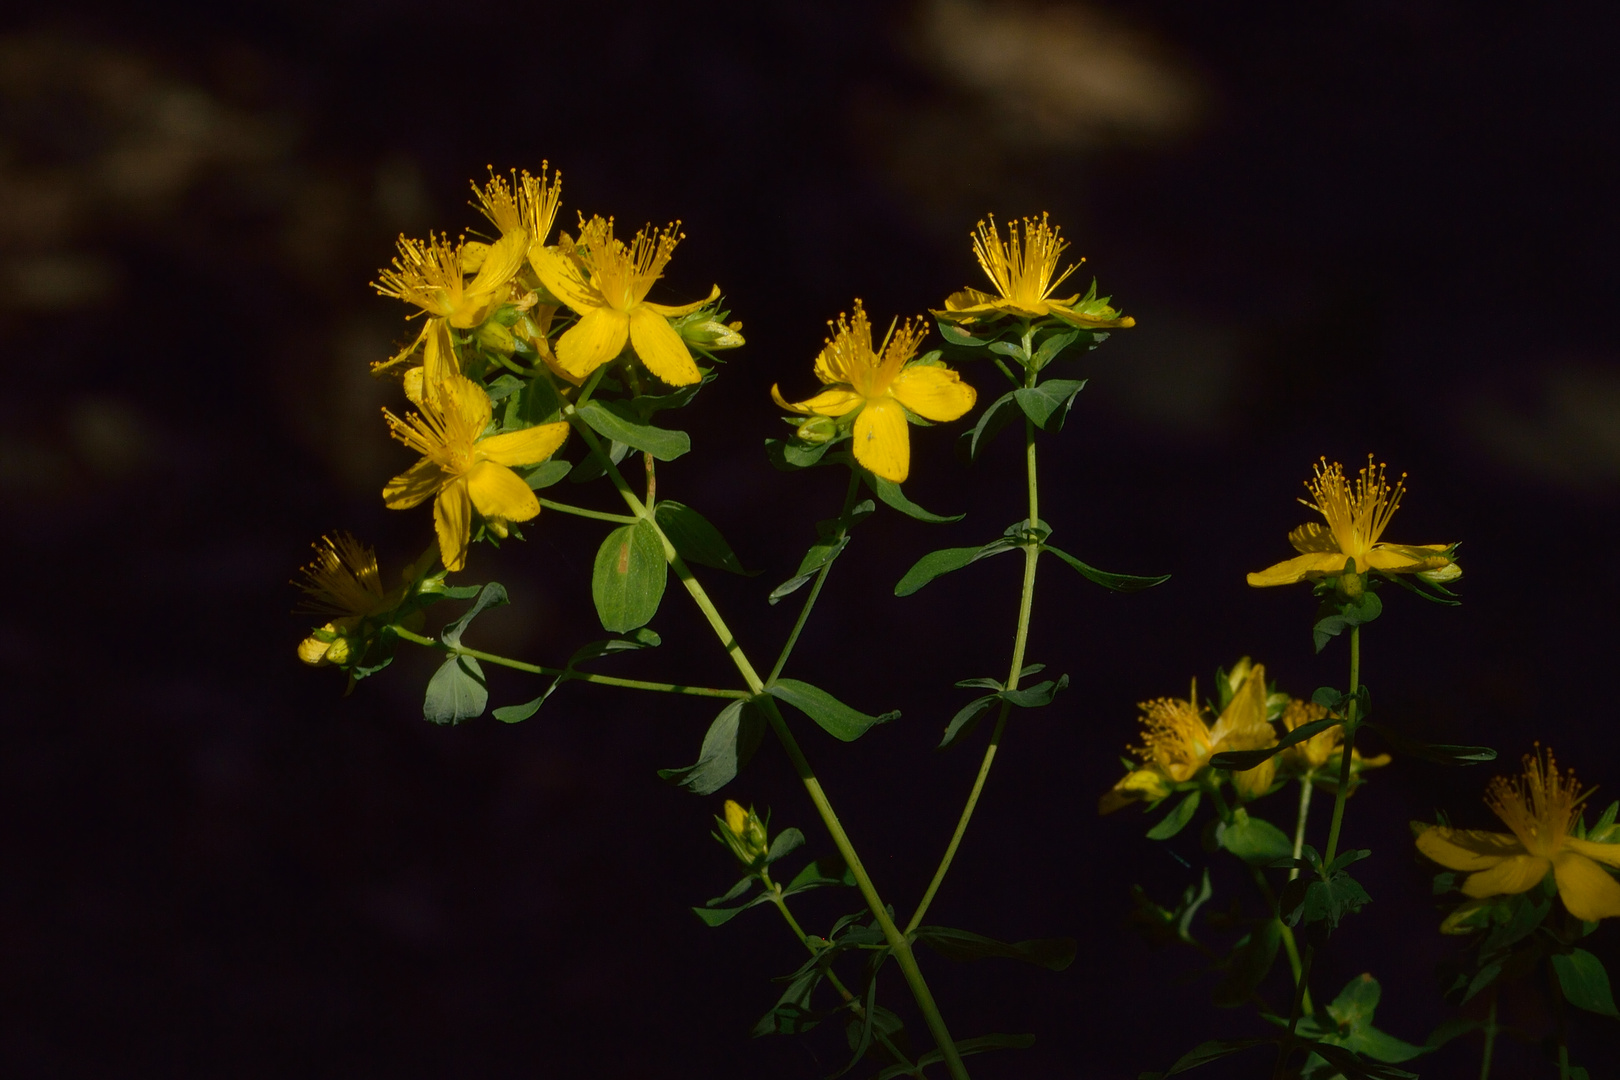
{"x":1347,"y":748}
{"x":1305,"y":788}
{"x":1490,"y":1038}
{"x":1026,"y":604}
{"x":815,"y":588}
{"x":899,"y":944}
{"x":580,"y":511}
{"x":1563,"y":1022}
{"x":570,"y":674}
{"x":1286,"y":1047}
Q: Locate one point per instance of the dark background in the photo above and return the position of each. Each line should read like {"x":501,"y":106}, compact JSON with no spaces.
{"x":1387,"y":229}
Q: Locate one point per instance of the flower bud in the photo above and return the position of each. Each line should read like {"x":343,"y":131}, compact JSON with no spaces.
{"x":712,"y":334}
{"x":1469,"y":917}
{"x":494,"y":337}
{"x":817,"y":430}
{"x":744,"y":834}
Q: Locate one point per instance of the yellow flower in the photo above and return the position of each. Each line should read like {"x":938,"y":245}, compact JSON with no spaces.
{"x":1178,"y":743}
{"x":432,"y":275}
{"x":881,"y":385}
{"x":464,"y":469}
{"x":527,"y":207}
{"x":1318,"y":756}
{"x":605,"y":281}
{"x":1021,"y":269}
{"x":1540,"y":808}
{"x":1355,"y":519}
{"x":343,"y":582}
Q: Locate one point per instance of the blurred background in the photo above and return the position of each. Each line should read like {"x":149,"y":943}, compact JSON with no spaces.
{"x":1385,"y":228}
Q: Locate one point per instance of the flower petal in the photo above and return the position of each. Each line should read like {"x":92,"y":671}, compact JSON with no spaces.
{"x":502,"y":260}
{"x":1586,"y":888}
{"x":452,"y":520}
{"x":1467,"y":849}
{"x":834,"y":402}
{"x":933,"y":393}
{"x":1298,"y":568}
{"x":1396,"y":558}
{"x":971,"y":301}
{"x":413,"y":486}
{"x":527,"y":447}
{"x":598,"y":337}
{"x":1090,"y":322}
{"x":882,"y":443}
{"x":661,"y":348}
{"x":1514,"y":874}
{"x":1242,"y":725}
{"x":562,"y":278}
{"x":675,"y":311}
{"x":438,"y":352}
{"x":1313,"y":536}
{"x":498,"y":492}
{"x":1603,"y":853}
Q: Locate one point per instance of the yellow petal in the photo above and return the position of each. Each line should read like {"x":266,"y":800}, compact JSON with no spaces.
{"x":498,"y":492}
{"x":413,"y":385}
{"x":561,"y":277}
{"x":834,"y":402}
{"x":661,"y":348}
{"x":452,"y":520}
{"x":1514,"y":874}
{"x":972,"y":302}
{"x":1467,"y":849}
{"x":527,"y":447}
{"x":1386,"y":557}
{"x":598,"y":337}
{"x":675,"y":311}
{"x":1297,"y":568}
{"x":1242,"y":725}
{"x":1603,"y":853}
{"x":1586,"y":888}
{"x":933,"y":393}
{"x":312,"y":651}
{"x":1075,"y":318}
{"x":502,"y":261}
{"x":882,"y":443}
{"x":413,"y":486}
{"x":438,"y":352}
{"x":1313,"y":536}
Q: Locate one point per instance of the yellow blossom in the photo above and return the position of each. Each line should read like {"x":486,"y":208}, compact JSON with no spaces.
{"x":1021,"y":268}
{"x":462,"y":468}
{"x":884,"y":388}
{"x":526,"y":206}
{"x":343,"y":582}
{"x":1355,"y":517}
{"x":1178,"y":742}
{"x":605,"y":281}
{"x":1318,"y":756}
{"x":432,"y":275}
{"x":1540,"y":808}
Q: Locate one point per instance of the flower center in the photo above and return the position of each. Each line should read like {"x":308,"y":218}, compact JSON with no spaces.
{"x":1022,"y":267}
{"x":342,"y":579}
{"x":426,"y":273}
{"x":1539,"y":806}
{"x":624,"y":272}
{"x":1356,"y":515}
{"x":1175,"y":737}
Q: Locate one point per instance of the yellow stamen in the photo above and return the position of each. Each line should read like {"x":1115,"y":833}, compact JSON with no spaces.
{"x":1357,"y":516}
{"x":624,"y":273}
{"x":1022,"y":267}
{"x":528,"y":203}
{"x":1539,"y":807}
{"x":343,"y":579}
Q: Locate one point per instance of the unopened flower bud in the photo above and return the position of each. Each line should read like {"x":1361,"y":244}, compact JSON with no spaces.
{"x":744,"y":833}
{"x":817,"y":430}
{"x":712,"y":334}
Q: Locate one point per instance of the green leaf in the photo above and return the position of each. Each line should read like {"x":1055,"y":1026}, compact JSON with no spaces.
{"x":790,"y":455}
{"x":1584,"y":982}
{"x":1033,"y":697}
{"x":1117,"y":582}
{"x":1255,"y":841}
{"x":1243,"y":760}
{"x":695,"y":539}
{"x":545,"y":474}
{"x":828,"y":870}
{"x":1055,"y":954}
{"x":731,"y":740}
{"x":627,"y":581}
{"x":1206,"y":1052}
{"x":833,"y":716}
{"x":1313,"y":900}
{"x":456,"y":692}
{"x":820,"y":554}
{"x":1248,"y":965}
{"x":491,"y":595}
{"x":591,"y":467}
{"x":1047,"y":404}
{"x":1337,"y":615}
{"x":998,"y":415}
{"x":636,"y":639}
{"x":1437,"y":752}
{"x":514,"y":714}
{"x":947,"y":560}
{"x":1177,"y":819}
{"x":956,"y":334}
{"x":965,"y":720}
{"x":719,"y":916}
{"x":889,"y":494}
{"x":1354,"y":1068}
{"x":784,"y":844}
{"x":964,"y":1047}
{"x":1352,"y":1012}
{"x":617,"y":421}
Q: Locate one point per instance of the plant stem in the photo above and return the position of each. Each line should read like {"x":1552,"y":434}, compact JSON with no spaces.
{"x":1026,"y":603}
{"x":1490,"y":1038}
{"x":1286,"y":1047}
{"x":1305,"y":788}
{"x":1346,"y":748}
{"x":580,"y":511}
{"x":899,"y":944}
{"x":568,"y":673}
{"x":1563,"y":1021}
{"x":815,"y":588}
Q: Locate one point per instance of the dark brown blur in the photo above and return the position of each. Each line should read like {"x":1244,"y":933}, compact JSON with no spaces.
{"x":1387,"y":229}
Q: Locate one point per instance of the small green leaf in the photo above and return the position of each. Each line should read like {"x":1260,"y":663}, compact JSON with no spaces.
{"x":965,"y":720}
{"x":1117,"y":582}
{"x":1255,"y":841}
{"x":1437,"y":752}
{"x":1249,"y":964}
{"x":545,"y":474}
{"x":1243,"y":760}
{"x":491,"y":595}
{"x":998,"y":415}
{"x":828,"y":870}
{"x":642,"y":638}
{"x":833,"y":716}
{"x":456,"y":692}
{"x":1177,"y":819}
{"x":1033,"y":697}
{"x":695,"y":539}
{"x":1054,"y":954}
{"x":513,"y":714}
{"x":1584,"y":982}
{"x":591,"y":467}
{"x":617,"y":421}
{"x":1337,"y":615}
{"x":1054,"y":344}
{"x":889,"y":494}
{"x":627,"y":582}
{"x":820,"y":554}
{"x":1206,"y":1052}
{"x":731,"y":740}
{"x":1313,"y":900}
{"x":957,"y":334}
{"x":947,"y":560}
{"x":786,"y":841}
{"x":1047,"y":404}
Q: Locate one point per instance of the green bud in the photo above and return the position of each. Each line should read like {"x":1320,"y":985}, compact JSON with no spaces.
{"x":494,"y":337}
{"x":744,"y":834}
{"x":817,"y":430}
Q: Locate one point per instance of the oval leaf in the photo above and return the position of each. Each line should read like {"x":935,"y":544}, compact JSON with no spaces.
{"x":618,"y":422}
{"x":834,"y":717}
{"x":944,"y":561}
{"x":891,"y":495}
{"x":1117,"y":582}
{"x":695,"y":538}
{"x":1243,"y":760}
{"x":1175,"y":820}
{"x":627,"y":582}
{"x":456,"y":692}
{"x":731,"y":740}
{"x":1048,"y":404}
{"x":1255,"y":841}
{"x":1437,"y":752}
{"x":1584,"y":982}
